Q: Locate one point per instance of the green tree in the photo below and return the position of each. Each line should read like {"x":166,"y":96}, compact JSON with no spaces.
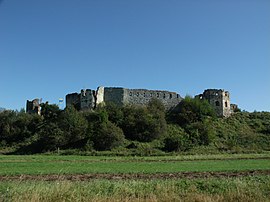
{"x":73,"y":124}
{"x":191,"y":110}
{"x":115,"y":113}
{"x":176,"y":139}
{"x":107,"y":136}
{"x":156,"y":106}
{"x":104,"y":134}
{"x":143,"y":124}
{"x":50,"y":138}
{"x":7,"y":129}
{"x":201,"y":133}
{"x":50,"y":111}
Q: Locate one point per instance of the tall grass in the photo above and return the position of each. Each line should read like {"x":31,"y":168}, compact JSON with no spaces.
{"x":238,"y":189}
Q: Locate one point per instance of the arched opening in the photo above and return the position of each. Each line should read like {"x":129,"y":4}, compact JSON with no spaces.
{"x":226,"y":104}
{"x":217,"y":103}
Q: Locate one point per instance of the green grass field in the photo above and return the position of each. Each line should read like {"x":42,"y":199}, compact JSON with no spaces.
{"x":50,"y":157}
{"x":45,"y":164}
{"x":236,"y":188}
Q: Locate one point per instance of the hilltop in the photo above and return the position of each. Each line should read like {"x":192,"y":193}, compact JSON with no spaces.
{"x":193,"y":127}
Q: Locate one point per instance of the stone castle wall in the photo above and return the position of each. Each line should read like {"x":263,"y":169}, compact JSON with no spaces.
{"x":73,"y":99}
{"x":89,"y":99}
{"x":143,"y":96}
{"x":114,"y":95}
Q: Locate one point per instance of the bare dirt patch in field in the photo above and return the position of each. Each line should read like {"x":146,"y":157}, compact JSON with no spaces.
{"x":131,"y":160}
{"x":141,"y":176}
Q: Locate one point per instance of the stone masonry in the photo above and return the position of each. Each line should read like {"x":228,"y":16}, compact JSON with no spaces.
{"x":89,"y":99}
{"x":219,"y":99}
{"x":33,"y":107}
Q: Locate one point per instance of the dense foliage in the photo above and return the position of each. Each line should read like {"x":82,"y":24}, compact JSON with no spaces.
{"x":150,"y":130}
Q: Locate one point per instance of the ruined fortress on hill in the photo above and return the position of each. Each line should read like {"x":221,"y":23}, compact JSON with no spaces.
{"x":90,"y":99}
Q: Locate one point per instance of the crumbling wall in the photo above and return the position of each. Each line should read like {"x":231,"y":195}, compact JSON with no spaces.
{"x":33,"y":107}
{"x":87,"y":99}
{"x":234,"y":108}
{"x":100,"y":95}
{"x":219,"y":99}
{"x":73,"y":99}
{"x":82,"y":101}
{"x":141,"y":97}
{"x":114,"y":95}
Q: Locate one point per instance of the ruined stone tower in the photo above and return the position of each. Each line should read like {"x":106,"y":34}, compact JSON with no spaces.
{"x":219,"y":99}
{"x":33,"y":107}
{"x":83,"y":100}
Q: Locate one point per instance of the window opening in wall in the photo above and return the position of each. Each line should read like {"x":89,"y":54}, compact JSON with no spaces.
{"x":138,"y":94}
{"x":84,"y":93}
{"x":164,"y":95}
{"x":130,"y":93}
{"x":226,"y":104}
{"x":216,"y":94}
{"x":151,"y":95}
{"x":143,"y":94}
{"x":157,"y":94}
{"x":177,"y":95}
{"x":217,"y":103}
{"x":170,"y":96}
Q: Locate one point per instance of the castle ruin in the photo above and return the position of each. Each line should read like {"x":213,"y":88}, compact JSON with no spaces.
{"x":220,"y":101}
{"x":33,"y":107}
{"x":90,"y":99}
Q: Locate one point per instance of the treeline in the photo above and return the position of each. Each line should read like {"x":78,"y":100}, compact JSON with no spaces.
{"x":150,"y":130}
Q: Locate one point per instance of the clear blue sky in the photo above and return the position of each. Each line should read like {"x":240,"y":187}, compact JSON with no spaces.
{"x":49,"y":48}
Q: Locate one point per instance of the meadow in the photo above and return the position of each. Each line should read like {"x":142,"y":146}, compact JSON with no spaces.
{"x":212,"y":189}
{"x":54,"y":164}
{"x":222,"y":177}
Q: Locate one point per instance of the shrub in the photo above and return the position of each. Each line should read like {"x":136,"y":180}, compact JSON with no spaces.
{"x":176,"y":139}
{"x":191,"y":110}
{"x":143,"y":124}
{"x":107,"y":136}
{"x":73,"y":124}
